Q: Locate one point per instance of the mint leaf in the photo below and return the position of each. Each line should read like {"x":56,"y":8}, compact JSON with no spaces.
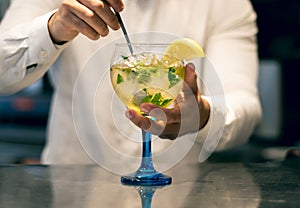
{"x":124,"y":57}
{"x":156,"y":98}
{"x":166,"y":102}
{"x":153,"y":70}
{"x":144,"y":77}
{"x":119,"y":79}
{"x":173,"y":78}
{"x":147,"y":99}
{"x":172,"y":69}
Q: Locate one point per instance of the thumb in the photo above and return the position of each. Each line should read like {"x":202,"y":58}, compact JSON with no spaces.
{"x":190,"y":79}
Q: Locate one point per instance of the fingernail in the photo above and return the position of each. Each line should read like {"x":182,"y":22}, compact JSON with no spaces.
{"x":128,"y":114}
{"x":145,"y":109}
{"x":191,"y":66}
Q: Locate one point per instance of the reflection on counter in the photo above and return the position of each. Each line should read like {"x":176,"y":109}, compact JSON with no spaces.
{"x":146,"y":193}
{"x":209,"y":184}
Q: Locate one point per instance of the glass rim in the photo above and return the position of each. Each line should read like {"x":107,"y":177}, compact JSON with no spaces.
{"x":136,"y":44}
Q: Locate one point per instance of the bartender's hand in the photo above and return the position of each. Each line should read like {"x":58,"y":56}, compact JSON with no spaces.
{"x":89,"y":17}
{"x":170,"y":120}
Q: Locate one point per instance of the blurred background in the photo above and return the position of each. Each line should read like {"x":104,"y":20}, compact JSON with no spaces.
{"x":23,"y":119}
{"x":23,"y":116}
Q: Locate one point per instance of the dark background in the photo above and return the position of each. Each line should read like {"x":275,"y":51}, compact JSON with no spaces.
{"x":23,"y":116}
{"x":279,"y":39}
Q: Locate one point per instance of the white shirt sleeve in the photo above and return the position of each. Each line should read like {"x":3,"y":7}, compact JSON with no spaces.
{"x":232,"y":50}
{"x":26,"y":53}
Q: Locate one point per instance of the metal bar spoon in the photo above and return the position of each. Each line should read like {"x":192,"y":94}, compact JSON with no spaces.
{"x":124,"y":32}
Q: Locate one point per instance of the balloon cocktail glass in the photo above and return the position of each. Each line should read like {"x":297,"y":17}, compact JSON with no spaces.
{"x":148,"y":75}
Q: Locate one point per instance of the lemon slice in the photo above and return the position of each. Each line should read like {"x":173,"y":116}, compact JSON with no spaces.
{"x":185,"y":49}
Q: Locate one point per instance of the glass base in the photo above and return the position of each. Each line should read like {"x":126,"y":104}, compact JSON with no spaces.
{"x":154,"y":179}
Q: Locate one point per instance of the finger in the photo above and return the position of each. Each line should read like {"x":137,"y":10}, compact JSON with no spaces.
{"x":118,"y":5}
{"x":167,"y":115}
{"x":171,"y":131}
{"x":150,"y":125}
{"x":102,"y":14}
{"x":191,"y":79}
{"x":68,"y":22}
{"x":168,"y":124}
{"x":83,"y":28}
{"x":78,"y":17}
{"x":138,"y":119}
{"x":92,"y":20}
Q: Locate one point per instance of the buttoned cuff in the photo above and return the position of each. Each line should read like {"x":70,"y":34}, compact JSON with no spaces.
{"x":41,"y":48}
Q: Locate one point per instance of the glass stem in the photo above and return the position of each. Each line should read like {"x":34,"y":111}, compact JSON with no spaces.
{"x":146,"y":163}
{"x":146,"y":195}
{"x":146,"y":201}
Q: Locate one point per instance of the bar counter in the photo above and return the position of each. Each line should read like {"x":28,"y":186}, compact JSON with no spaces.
{"x":208,"y":184}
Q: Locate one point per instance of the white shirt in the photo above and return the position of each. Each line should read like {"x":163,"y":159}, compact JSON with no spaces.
{"x":225,"y":29}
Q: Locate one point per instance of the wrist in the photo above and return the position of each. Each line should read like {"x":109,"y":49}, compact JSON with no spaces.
{"x":57,"y":34}
{"x":204,"y":111}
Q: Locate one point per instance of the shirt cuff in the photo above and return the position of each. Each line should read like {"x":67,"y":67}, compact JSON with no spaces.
{"x":204,"y":131}
{"x":42,"y":50}
{"x":209,"y":136}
